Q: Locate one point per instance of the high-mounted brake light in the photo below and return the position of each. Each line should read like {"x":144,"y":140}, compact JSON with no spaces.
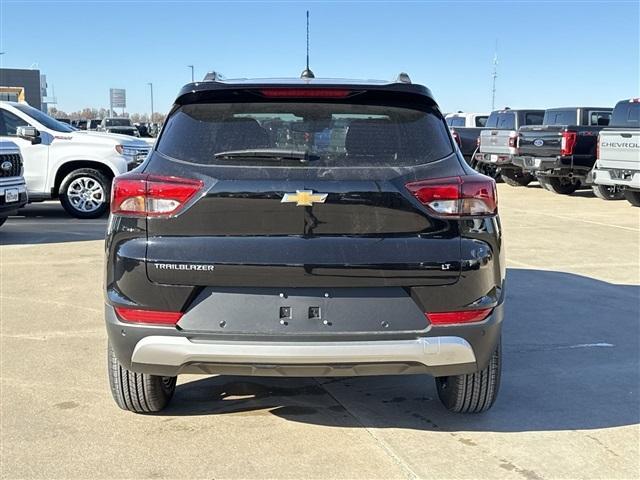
{"x":473,"y":195}
{"x":569,"y":140}
{"x":157,"y":317}
{"x":462,"y":316}
{"x":305,"y":92}
{"x":634,"y":100}
{"x":140,"y":195}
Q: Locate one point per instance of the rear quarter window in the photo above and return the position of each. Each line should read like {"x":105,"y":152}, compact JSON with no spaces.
{"x":332,"y":134}
{"x":599,"y":118}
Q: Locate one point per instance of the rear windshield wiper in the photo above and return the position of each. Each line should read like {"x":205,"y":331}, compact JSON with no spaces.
{"x":267,"y":154}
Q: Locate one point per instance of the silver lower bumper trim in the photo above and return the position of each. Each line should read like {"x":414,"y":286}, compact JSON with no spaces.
{"x":180,"y":351}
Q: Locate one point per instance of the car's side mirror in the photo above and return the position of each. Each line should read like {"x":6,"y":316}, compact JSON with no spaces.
{"x":29,"y":133}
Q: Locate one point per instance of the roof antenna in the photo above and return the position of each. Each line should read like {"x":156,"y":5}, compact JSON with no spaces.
{"x":307,"y":73}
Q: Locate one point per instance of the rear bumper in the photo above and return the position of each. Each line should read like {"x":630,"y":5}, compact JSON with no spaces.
{"x":498,"y":159}
{"x":183,"y":355}
{"x":617,"y":177}
{"x":578,"y":164}
{"x":440,"y":351}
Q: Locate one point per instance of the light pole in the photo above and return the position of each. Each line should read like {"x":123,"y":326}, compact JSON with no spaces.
{"x":192,"y":77}
{"x":151,"y":86}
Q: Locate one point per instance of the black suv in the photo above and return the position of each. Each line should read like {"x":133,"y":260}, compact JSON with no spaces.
{"x":304,"y":228}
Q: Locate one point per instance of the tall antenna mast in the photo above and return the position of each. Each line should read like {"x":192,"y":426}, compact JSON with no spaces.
{"x":494,"y":75}
{"x":307,"y":73}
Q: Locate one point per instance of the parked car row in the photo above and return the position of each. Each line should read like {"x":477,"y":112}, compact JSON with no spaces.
{"x":119,"y":125}
{"x":561,"y":148}
{"x":74,"y":166}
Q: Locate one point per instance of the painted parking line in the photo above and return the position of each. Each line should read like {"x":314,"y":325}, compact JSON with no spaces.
{"x":564,"y":217}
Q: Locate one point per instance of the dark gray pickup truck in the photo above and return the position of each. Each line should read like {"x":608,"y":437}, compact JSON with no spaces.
{"x":562,"y":151}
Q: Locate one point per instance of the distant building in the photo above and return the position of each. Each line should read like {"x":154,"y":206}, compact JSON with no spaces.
{"x":13,"y":79}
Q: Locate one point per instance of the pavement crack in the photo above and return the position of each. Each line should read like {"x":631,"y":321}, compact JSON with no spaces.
{"x":604,"y":447}
{"x":409,"y":473}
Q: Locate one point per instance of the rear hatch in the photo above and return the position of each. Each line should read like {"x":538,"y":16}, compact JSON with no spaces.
{"x":540,"y":140}
{"x":619,"y":149}
{"x":305,"y":192}
{"x":496,"y":142}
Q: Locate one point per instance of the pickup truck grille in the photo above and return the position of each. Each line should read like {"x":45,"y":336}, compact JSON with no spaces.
{"x":10,"y":165}
{"x":138,"y":158}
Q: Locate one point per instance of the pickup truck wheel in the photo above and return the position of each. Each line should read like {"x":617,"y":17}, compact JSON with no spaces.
{"x":473,"y":392}
{"x":633,"y":197}
{"x":84,"y":193}
{"x":138,"y":392}
{"x":608,"y":192}
{"x":516,"y":178}
{"x":559,"y":185}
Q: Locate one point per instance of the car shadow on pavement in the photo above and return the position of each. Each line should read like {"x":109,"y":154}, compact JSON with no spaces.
{"x":48,"y":222}
{"x":571,"y":356}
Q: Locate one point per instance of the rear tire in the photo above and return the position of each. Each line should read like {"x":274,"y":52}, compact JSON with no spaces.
{"x":559,"y":185}
{"x":633,"y":197}
{"x":607,"y":192}
{"x":473,"y":392}
{"x":138,"y":392}
{"x":516,"y":178}
{"x":84,"y":193}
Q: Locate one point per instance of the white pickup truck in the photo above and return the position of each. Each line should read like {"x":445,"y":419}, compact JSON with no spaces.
{"x":74,"y":166}
{"x":618,"y":157}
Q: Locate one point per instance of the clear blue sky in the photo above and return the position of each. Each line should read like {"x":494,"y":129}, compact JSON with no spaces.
{"x":550,"y":53}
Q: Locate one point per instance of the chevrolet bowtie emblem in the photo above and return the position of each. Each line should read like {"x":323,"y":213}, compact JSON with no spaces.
{"x":304,"y":198}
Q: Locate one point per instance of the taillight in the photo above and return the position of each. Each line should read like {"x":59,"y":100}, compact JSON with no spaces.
{"x":305,"y":92}
{"x":456,"y":137}
{"x":473,"y":195}
{"x":461,"y":316}
{"x":598,"y":148}
{"x":135,"y":315}
{"x":513,"y":141}
{"x":478,"y":142}
{"x":569,"y":140}
{"x":140,"y":195}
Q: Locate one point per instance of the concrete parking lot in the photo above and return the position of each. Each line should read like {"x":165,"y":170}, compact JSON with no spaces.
{"x":569,"y":404}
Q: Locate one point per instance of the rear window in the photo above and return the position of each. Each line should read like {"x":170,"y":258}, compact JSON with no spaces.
{"x":626,"y":114}
{"x":502,"y":120}
{"x":533,"y":118}
{"x":560,"y":117}
{"x":455,"y":121}
{"x":481,"y":121}
{"x":117,"y":122}
{"x":331,"y":134}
